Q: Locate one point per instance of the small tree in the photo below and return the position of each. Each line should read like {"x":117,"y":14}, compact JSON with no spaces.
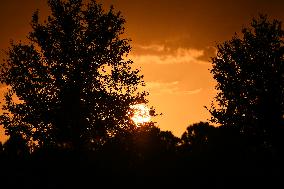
{"x":197,"y":136}
{"x":249,"y":70}
{"x":73,"y":80}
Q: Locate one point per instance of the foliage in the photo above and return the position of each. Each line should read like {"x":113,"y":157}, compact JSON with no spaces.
{"x":145,"y":151}
{"x":16,"y":147}
{"x":249,"y":70}
{"x":197,"y":135}
{"x":147,"y":140}
{"x":71,"y":84}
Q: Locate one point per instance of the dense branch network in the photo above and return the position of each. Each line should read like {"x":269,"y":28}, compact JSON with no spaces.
{"x":73,"y":80}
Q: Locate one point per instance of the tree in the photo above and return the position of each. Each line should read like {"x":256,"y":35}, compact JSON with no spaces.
{"x":197,"y":136}
{"x":147,"y":140}
{"x":249,"y":70}
{"x":145,"y":151}
{"x":16,"y":147}
{"x":72,"y":83}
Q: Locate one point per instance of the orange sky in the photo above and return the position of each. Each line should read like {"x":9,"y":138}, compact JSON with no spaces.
{"x":172,"y":43}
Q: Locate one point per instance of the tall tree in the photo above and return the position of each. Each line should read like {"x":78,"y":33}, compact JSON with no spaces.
{"x":73,"y":82}
{"x":249,"y":70}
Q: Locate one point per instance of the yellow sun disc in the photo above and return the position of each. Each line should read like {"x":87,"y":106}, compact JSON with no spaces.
{"x":141,"y":114}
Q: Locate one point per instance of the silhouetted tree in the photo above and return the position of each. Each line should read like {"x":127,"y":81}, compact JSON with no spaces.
{"x":152,"y":144}
{"x":72,"y":83}
{"x":145,"y":151}
{"x":206,"y":149}
{"x":16,"y":147}
{"x":249,"y":70}
{"x":1,"y":149}
{"x":145,"y":141}
{"x":197,"y":135}
{"x":169,"y":140}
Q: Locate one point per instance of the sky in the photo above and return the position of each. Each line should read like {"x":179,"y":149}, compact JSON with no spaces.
{"x":172,"y":42}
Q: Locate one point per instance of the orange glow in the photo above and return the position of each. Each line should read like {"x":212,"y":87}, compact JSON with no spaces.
{"x":141,"y":114}
{"x":172,"y":49}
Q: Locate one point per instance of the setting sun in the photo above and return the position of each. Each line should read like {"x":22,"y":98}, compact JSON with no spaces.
{"x":140,"y":114}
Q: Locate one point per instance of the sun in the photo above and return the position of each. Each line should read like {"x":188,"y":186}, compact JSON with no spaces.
{"x":141,"y":114}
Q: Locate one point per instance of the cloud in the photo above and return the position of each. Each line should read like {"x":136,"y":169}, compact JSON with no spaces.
{"x":152,"y":47}
{"x":159,"y":54}
{"x":196,"y":91}
{"x":161,"y":88}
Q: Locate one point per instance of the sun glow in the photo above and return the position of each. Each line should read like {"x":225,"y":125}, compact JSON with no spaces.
{"x":141,"y":114}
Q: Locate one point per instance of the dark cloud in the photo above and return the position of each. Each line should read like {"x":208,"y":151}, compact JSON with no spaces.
{"x":201,"y":23}
{"x":194,"y":24}
{"x":15,"y":16}
{"x":208,"y":53}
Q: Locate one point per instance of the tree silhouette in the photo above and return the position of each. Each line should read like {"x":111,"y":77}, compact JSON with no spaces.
{"x":16,"y":147}
{"x":144,"y":152}
{"x":197,"y":136}
{"x":71,"y":84}
{"x":249,"y":70}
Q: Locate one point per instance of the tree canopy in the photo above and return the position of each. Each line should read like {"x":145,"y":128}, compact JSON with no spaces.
{"x":72,"y":84}
{"x":249,"y":70}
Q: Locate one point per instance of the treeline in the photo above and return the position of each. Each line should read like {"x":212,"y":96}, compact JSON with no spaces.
{"x":205,"y":156}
